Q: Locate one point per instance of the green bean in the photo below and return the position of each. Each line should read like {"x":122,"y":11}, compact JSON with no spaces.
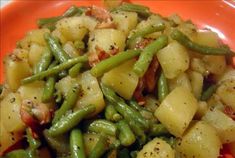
{"x":208,"y":92}
{"x":74,"y":71}
{"x":48,"y":90}
{"x":147,"y":54}
{"x":134,"y":154}
{"x":62,"y":74}
{"x":163,"y":89}
{"x":79,"y":44}
{"x":144,"y":31}
{"x":126,"y":111}
{"x":70,"y":12}
{"x":76,"y":144}
{"x":158,"y":130}
{"x":33,"y":143}
{"x":56,"y":48}
{"x":103,"y":126}
{"x":70,"y":120}
{"x":141,"y":10}
{"x":69,"y":102}
{"x":169,"y":140}
{"x":111,"y":114}
{"x":100,"y":148}
{"x":44,"y":62}
{"x":126,"y":136}
{"x":59,"y":144}
{"x":124,"y":153}
{"x":206,"y":50}
{"x":139,"y":132}
{"x":135,"y":105}
{"x":55,"y":70}
{"x":113,"y":61}
{"x":20,"y":153}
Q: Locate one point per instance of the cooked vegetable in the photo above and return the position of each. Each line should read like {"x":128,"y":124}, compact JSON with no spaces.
{"x":76,"y":144}
{"x":44,"y":62}
{"x":55,"y":70}
{"x":208,"y":92}
{"x":74,"y":71}
{"x":99,"y":148}
{"x":103,"y":126}
{"x":111,"y":114}
{"x":147,"y":54}
{"x":162,"y":87}
{"x":126,"y":136}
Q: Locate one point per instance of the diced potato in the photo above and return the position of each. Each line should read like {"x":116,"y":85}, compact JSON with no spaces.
{"x":177,"y":110}
{"x":228,"y":74}
{"x":200,"y":141}
{"x":57,"y":34}
{"x":21,"y":53}
{"x":151,"y":103}
{"x":35,"y":53}
{"x":122,"y":77}
{"x":126,"y":21}
{"x":224,"y":125}
{"x":175,"y":18}
{"x":174,"y":59}
{"x":106,"y":39}
{"x":112,"y":4}
{"x":198,"y":65}
{"x":65,"y":84}
{"x":226,"y":92}
{"x":188,"y":29}
{"x":92,"y":93}
{"x":215,"y":64}
{"x":10,"y":113}
{"x":207,"y":38}
{"x":157,"y":148}
{"x":180,"y":80}
{"x":7,"y":139}
{"x":70,"y":49}
{"x":152,"y":20}
{"x":75,"y":28}
{"x":90,"y":139}
{"x":196,"y":79}
{"x":16,"y":69}
{"x":202,"y":109}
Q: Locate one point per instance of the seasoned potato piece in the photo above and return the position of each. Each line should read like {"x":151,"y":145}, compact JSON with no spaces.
{"x":91,"y":94}
{"x":196,"y":79}
{"x":35,"y":53}
{"x":106,"y":39}
{"x":228,"y":74}
{"x":177,"y":110}
{"x":180,"y":80}
{"x":198,"y":65}
{"x":16,"y":69}
{"x":201,"y":110}
{"x":173,"y":59}
{"x":152,"y":20}
{"x":122,"y":77}
{"x":65,"y":84}
{"x":10,"y":113}
{"x":207,"y":38}
{"x":90,"y":139}
{"x":70,"y":49}
{"x":7,"y":139}
{"x":126,"y":21}
{"x":226,"y":92}
{"x":21,"y":53}
{"x":157,"y":148}
{"x":200,"y":141}
{"x":224,"y":125}
{"x":215,"y":64}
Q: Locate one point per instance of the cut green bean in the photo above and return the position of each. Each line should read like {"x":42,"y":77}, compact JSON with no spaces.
{"x":74,"y":71}
{"x":206,"y":50}
{"x":55,"y":70}
{"x":33,"y":143}
{"x":113,"y":61}
{"x":79,"y":44}
{"x":147,"y":54}
{"x":69,"y":102}
{"x":20,"y":153}
{"x":111,"y":114}
{"x":163,"y":89}
{"x":141,"y":10}
{"x":56,"y":48}
{"x":126,"y":136}
{"x":208,"y":92}
{"x":76,"y":144}
{"x":126,"y":111}
{"x":158,"y":130}
{"x":135,"y":105}
{"x":139,"y":132}
{"x":144,"y":31}
{"x":100,"y":147}
{"x":103,"y":126}
{"x":44,"y":61}
{"x":48,"y":90}
{"x":70,"y":120}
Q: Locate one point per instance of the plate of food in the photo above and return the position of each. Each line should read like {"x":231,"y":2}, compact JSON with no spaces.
{"x":117,"y":79}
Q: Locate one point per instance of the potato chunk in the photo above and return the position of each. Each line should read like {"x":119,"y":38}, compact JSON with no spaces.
{"x":174,"y":59}
{"x":180,"y":80}
{"x":224,"y":125}
{"x":200,"y":141}
{"x":196,"y":79}
{"x":157,"y":148}
{"x":122,"y":77}
{"x":177,"y":110}
{"x":10,"y":113}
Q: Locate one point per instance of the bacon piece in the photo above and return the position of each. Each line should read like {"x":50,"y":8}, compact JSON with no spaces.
{"x":99,"y":13}
{"x":230,"y":112}
{"x":138,"y":93}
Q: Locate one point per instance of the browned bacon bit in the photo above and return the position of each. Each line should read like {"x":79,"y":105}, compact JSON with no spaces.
{"x":150,"y":76}
{"x":106,"y":25}
{"x":34,"y":114}
{"x":230,"y":112}
{"x":143,"y":43}
{"x":99,"y":13}
{"x":138,"y":93}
